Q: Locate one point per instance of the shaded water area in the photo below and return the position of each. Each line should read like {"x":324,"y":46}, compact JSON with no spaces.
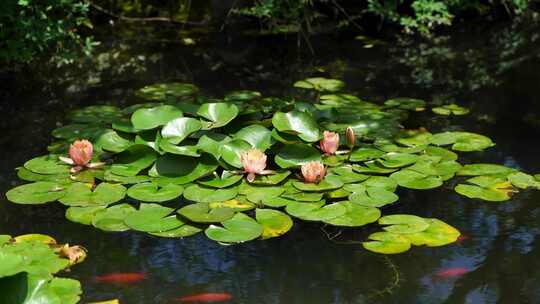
{"x":493,"y":70}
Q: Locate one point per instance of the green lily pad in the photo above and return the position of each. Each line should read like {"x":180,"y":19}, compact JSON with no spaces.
{"x":150,"y":118}
{"x":371,"y":167}
{"x":437,"y":234}
{"x":83,"y":215}
{"x":111,"y":141}
{"x":320,"y":84}
{"x":257,"y":136}
{"x":73,"y":132}
{"x":177,"y":169}
{"x":242,"y":95}
{"x":256,"y":194}
{"x":124,"y":125}
{"x":372,"y":196}
{"x":365,"y":154}
{"x":133,"y":160}
{"x":176,"y":130}
{"x":486,"y":188}
{"x":271,"y":179}
{"x":297,"y":123}
{"x":47,"y":164}
{"x":339,"y":193}
{"x":231,"y":151}
{"x":200,"y":194}
{"x":355,"y":215}
{"x":151,"y":192}
{"x":219,"y":114}
{"x":397,"y":160}
{"x":238,"y":204}
{"x":126,"y":180}
{"x":348,"y":176}
{"x":450,"y":109}
{"x":183,"y":231}
{"x":331,"y":182}
{"x":276,"y":202}
{"x":462,"y":141}
{"x":112,"y":218}
{"x":27,"y":175}
{"x":226,"y":180}
{"x":96,"y":114}
{"x":36,"y":193}
{"x":387,"y":243}
{"x":315,"y":211}
{"x":405,"y":103}
{"x":286,"y":138}
{"x":80,"y":195}
{"x":442,"y":153}
{"x":404,"y":223}
{"x":523,"y":180}
{"x":415,"y":180}
{"x":296,"y":155}
{"x":240,"y":228}
{"x":304,"y":196}
{"x":168,"y":147}
{"x":211,"y":143}
{"x":152,"y":218}
{"x":202,"y":213}
{"x":485,"y":169}
{"x":274,"y":223}
{"x":166,"y":91}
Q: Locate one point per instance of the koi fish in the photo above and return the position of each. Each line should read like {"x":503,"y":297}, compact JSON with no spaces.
{"x":462,"y":238}
{"x":121,"y":277}
{"x":206,"y":298}
{"x":452,"y":272}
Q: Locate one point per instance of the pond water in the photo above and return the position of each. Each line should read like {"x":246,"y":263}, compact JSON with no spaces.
{"x":492,"y":70}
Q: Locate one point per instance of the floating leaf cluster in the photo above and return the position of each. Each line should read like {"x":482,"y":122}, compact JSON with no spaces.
{"x":242,"y":167}
{"x":27,"y":265}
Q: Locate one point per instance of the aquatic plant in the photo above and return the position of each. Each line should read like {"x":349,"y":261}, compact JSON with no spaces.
{"x":242,"y":167}
{"x":27,"y":265}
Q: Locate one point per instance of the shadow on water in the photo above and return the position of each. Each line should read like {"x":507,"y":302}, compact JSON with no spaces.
{"x":494,"y":72}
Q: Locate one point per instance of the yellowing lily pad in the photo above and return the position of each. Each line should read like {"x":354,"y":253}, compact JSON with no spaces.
{"x":275,"y":223}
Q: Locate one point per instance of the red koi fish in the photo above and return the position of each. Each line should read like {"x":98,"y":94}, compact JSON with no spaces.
{"x":121,"y":277}
{"x":206,"y":298}
{"x":462,"y":238}
{"x":451,"y":272}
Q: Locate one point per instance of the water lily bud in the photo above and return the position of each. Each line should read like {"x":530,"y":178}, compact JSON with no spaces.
{"x":253,"y":161}
{"x":350,"y":137}
{"x":313,"y":172}
{"x":81,"y":152}
{"x":330,"y":142}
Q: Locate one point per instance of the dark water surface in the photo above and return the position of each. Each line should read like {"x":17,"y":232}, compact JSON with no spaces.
{"x":494,"y":70}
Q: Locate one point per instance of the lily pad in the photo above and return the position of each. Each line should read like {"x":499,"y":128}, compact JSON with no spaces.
{"x":150,"y":118}
{"x":316,"y":211}
{"x":320,"y":84}
{"x":274,"y":223}
{"x":166,"y":91}
{"x":152,"y":218}
{"x":523,"y":180}
{"x":152,"y":192}
{"x":462,"y":141}
{"x":183,"y":231}
{"x":276,"y":202}
{"x":168,"y":147}
{"x":355,"y":215}
{"x":257,"y":136}
{"x":415,"y":180}
{"x":348,"y":176}
{"x":81,"y":195}
{"x":224,"y":181}
{"x":231,"y":151}
{"x":201,"y":194}
{"x":297,"y":123}
{"x":372,"y":196}
{"x":27,"y":175}
{"x":218,"y":114}
{"x":437,"y":234}
{"x":240,"y":228}
{"x":83,"y":215}
{"x":371,"y":167}
{"x":176,"y":130}
{"x":450,"y":109}
{"x":36,"y":193}
{"x":271,"y":179}
{"x":486,"y":188}
{"x":404,"y":223}
{"x":111,"y":141}
{"x":179,"y":169}
{"x":397,"y":160}
{"x":296,"y":155}
{"x":405,"y":103}
{"x":133,"y":160}
{"x":365,"y":154}
{"x":257,"y":194}
{"x":237,"y":204}
{"x":202,"y":213}
{"x":485,"y":169}
{"x":112,"y":218}
{"x":47,"y":164}
{"x":331,"y":182}
{"x":304,"y":196}
{"x":387,"y":243}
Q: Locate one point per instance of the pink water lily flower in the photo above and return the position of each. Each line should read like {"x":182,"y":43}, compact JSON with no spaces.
{"x":80,"y":155}
{"x":254,"y":162}
{"x":330,"y":142}
{"x":313,"y":172}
